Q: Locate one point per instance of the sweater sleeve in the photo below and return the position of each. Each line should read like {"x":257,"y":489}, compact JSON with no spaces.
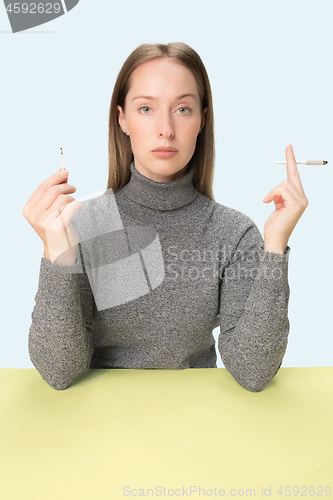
{"x":60,"y":335}
{"x":254,"y":323}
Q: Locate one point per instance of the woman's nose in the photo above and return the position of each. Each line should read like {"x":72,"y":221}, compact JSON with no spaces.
{"x":166,"y":127}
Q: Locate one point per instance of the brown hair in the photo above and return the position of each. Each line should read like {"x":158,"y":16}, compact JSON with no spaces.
{"x":120,"y":151}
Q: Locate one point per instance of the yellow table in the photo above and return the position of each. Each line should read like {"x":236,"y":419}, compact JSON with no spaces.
{"x":166,"y":433}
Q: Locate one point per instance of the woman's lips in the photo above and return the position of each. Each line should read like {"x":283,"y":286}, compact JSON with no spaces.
{"x":164,"y":154}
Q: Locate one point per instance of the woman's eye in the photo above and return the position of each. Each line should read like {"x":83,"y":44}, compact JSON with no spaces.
{"x":144,"y":107}
{"x":182,"y":107}
{"x":185,"y":107}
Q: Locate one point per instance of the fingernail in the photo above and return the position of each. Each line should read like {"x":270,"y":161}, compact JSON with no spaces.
{"x":64,"y":172}
{"x":290,"y":147}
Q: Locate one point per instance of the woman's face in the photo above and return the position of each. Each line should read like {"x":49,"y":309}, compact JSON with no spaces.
{"x":162,"y":118}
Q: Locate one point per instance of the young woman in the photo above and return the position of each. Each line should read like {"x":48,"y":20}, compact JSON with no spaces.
{"x":140,"y":277}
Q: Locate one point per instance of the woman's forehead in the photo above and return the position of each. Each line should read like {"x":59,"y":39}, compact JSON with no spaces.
{"x":157,"y":77}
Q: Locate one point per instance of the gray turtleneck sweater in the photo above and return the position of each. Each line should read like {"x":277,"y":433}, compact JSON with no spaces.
{"x":158,"y":267}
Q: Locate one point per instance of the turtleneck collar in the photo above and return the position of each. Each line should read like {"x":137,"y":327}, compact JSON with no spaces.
{"x":161,"y":195}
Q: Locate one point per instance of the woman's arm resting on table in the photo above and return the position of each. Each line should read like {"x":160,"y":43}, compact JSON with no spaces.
{"x":60,"y":336}
{"x":255,"y":290}
{"x":254,"y":323}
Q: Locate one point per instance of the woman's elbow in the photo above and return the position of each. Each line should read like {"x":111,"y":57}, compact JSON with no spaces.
{"x":254,"y":387}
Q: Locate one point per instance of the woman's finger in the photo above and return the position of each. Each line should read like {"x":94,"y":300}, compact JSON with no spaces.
{"x":292,"y":171}
{"x":290,"y":187}
{"x":67,"y":211}
{"x":284,"y":197}
{"x":55,"y":179}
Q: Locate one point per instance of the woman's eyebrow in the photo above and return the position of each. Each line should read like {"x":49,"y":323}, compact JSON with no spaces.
{"x":154,"y":98}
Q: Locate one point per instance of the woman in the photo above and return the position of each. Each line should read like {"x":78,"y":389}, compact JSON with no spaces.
{"x":141,"y":277}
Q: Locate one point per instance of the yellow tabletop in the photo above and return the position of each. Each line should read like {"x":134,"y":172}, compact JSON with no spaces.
{"x":191,"y":433}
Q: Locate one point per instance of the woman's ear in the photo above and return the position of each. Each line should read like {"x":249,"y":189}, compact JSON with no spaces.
{"x":203,"y":120}
{"x":121,"y":118}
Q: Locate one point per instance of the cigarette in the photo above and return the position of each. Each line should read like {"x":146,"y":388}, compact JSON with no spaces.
{"x":62,"y":160}
{"x":307,"y":162}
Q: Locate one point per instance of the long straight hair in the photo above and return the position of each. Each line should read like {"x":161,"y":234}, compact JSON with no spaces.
{"x":120,"y":151}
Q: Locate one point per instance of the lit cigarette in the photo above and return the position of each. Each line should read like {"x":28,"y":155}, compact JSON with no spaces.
{"x":307,"y":162}
{"x":62,"y":160}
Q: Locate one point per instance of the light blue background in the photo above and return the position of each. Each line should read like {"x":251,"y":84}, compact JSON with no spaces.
{"x":270,"y":68}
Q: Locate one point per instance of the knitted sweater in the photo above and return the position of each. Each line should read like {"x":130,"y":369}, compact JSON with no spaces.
{"x":158,"y":267}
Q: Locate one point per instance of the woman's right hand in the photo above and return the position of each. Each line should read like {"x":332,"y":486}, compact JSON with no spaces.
{"x":49,"y":211}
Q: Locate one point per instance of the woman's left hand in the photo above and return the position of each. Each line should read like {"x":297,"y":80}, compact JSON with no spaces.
{"x":290,"y":202}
